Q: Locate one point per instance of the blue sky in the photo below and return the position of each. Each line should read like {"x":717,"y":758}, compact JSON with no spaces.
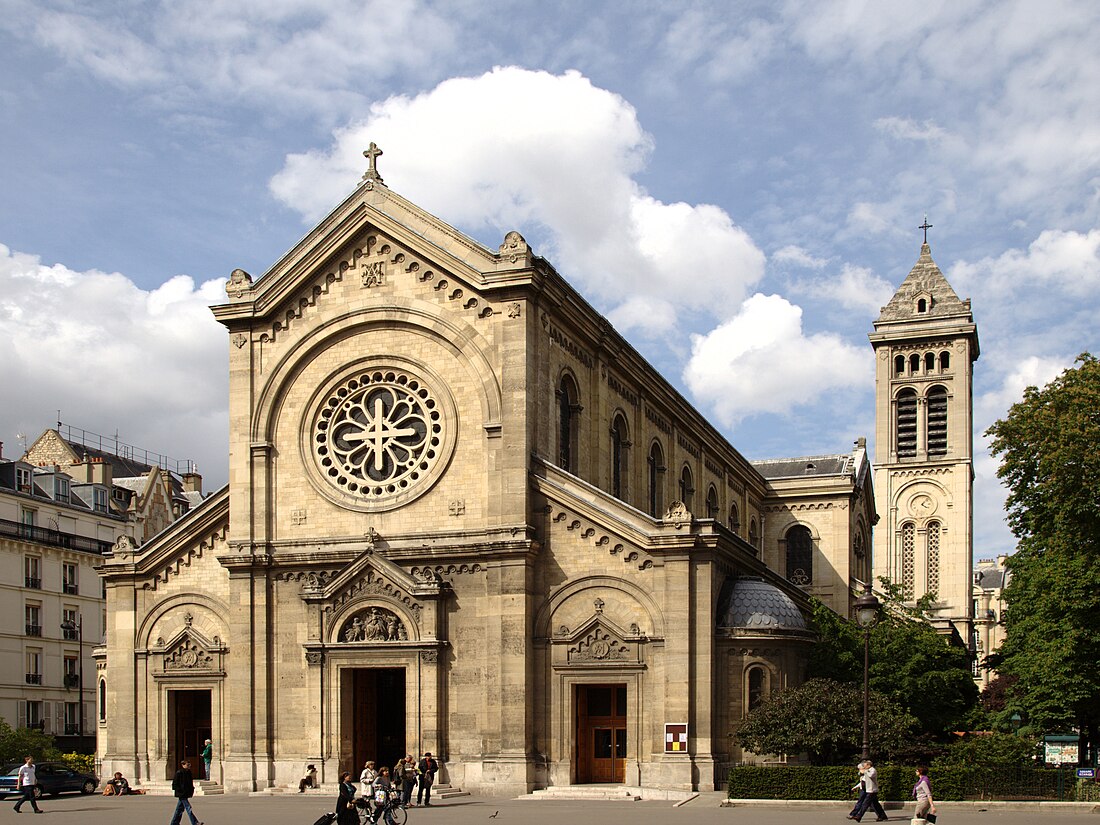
{"x":736,"y":185}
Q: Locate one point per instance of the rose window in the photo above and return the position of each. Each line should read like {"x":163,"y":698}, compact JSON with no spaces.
{"x":378,"y":433}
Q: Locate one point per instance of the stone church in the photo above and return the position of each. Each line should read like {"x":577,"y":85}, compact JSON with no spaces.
{"x":464,"y":516}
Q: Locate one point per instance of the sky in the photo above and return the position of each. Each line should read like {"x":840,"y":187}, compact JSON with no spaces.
{"x":736,"y":185}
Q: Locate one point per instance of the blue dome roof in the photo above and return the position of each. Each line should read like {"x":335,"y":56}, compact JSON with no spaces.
{"x":753,"y":603}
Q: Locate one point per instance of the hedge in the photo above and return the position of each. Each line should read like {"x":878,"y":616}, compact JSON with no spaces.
{"x":949,"y":782}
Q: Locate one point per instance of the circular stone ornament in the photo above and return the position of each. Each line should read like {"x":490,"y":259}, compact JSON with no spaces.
{"x":379,"y":437}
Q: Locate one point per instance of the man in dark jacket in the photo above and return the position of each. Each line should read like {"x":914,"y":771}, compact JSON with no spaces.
{"x":426,"y":770}
{"x":183,"y":786}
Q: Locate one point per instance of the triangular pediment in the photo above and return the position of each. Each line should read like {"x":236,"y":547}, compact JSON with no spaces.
{"x":924,"y":282}
{"x":374,"y":238}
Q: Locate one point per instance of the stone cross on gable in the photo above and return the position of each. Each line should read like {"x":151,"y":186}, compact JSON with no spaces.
{"x":372,"y":154}
{"x":925,"y":226}
{"x":599,"y":605}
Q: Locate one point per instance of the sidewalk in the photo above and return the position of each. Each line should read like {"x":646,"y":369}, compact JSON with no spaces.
{"x":705,"y":809}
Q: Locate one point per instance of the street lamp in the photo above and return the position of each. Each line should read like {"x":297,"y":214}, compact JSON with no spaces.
{"x":867,"y":607}
{"x":69,"y":627}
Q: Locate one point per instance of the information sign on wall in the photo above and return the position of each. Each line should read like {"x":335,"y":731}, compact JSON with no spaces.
{"x":676,"y":737}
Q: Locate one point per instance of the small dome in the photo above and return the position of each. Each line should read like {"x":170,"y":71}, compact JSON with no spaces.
{"x":753,"y":603}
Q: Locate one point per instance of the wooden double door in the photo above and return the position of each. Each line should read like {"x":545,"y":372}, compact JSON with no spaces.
{"x":601,"y":733}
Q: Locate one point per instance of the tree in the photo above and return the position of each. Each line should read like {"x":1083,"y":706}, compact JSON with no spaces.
{"x":17,"y":743}
{"x":823,"y":718}
{"x":989,"y":749}
{"x":1050,"y":464}
{"x":910,"y":662}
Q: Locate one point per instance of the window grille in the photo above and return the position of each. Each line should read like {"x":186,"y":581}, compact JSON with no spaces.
{"x":907,"y":424}
{"x":908,"y":537}
{"x":934,"y":557}
{"x":937,"y":421}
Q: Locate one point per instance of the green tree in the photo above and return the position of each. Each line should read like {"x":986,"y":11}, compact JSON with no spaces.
{"x":823,"y":718}
{"x":989,"y":749}
{"x":1050,"y":463}
{"x":17,"y":743}
{"x":911,"y":663}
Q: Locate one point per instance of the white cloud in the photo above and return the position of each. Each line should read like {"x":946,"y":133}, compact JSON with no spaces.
{"x":548,"y":154}
{"x":905,"y":128}
{"x":761,"y":361}
{"x":797,"y":256}
{"x":1029,"y":372}
{"x":111,"y":355}
{"x":1066,"y":261}
{"x":854,"y":288}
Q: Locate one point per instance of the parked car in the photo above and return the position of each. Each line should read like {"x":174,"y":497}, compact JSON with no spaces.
{"x":53,"y":778}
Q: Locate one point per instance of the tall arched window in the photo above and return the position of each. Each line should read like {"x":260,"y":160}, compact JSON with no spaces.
{"x":906,"y":433}
{"x":656,"y":468}
{"x":800,"y":556}
{"x":712,"y":502}
{"x":908,"y":542}
{"x":754,"y":537}
{"x":914,"y":363}
{"x":756,"y":685}
{"x":934,"y":557}
{"x":102,"y":700}
{"x":899,"y":365}
{"x":619,"y":445}
{"x":568,"y":409}
{"x":937,"y":421}
{"x":859,"y":547}
{"x":687,"y":487}
{"x":929,"y":362}
{"x":735,"y":519}
{"x":945,"y":361}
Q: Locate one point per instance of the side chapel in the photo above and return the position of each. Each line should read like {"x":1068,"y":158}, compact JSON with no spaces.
{"x":464,"y":516}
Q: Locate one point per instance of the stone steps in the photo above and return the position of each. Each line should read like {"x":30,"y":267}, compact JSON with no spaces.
{"x":610,"y":793}
{"x":447,"y":792}
{"x":164,"y":788}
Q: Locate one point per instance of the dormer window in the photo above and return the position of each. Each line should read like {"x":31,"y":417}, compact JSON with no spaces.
{"x":922,"y":305}
{"x":61,"y":489}
{"x":23,"y":479}
{"x":922,"y":302}
{"x":99,"y":497}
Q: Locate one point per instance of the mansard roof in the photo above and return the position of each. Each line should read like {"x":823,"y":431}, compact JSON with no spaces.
{"x":814,"y":465}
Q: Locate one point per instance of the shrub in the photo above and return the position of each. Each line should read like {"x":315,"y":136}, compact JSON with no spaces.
{"x":81,"y":762}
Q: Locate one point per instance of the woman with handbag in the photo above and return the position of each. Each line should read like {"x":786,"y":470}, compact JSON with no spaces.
{"x":926,"y":808}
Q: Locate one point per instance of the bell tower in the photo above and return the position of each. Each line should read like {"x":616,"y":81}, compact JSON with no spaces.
{"x":925,"y":343}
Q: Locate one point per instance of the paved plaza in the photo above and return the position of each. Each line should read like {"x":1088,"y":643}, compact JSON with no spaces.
{"x":704,"y":810}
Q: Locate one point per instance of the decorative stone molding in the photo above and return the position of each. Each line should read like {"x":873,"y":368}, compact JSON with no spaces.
{"x":678,"y":515}
{"x":598,"y":646}
{"x":239,"y":285}
{"x":188,"y":656}
{"x":374,"y":624}
{"x":429,"y":656}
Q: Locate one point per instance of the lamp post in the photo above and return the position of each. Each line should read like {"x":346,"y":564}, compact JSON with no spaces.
{"x":867,"y":607}
{"x":69,"y":627}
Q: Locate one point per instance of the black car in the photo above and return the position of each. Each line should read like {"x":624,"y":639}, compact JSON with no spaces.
{"x":53,"y":778}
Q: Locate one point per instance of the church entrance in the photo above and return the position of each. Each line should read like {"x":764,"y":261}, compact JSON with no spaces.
{"x":373,"y":715}
{"x":188,"y":728}
{"x":601,"y":733}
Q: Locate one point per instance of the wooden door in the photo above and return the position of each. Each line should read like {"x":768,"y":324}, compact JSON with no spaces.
{"x":601,"y":733}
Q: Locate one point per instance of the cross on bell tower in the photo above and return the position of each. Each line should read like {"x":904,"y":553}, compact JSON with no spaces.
{"x":925,"y":226}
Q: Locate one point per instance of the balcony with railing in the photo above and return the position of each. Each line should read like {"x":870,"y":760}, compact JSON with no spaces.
{"x":70,"y":588}
{"x":69,"y":634}
{"x":52,"y":538}
{"x":34,"y":630}
{"x":34,"y":678}
{"x":33,"y":582}
{"x":72,"y":729}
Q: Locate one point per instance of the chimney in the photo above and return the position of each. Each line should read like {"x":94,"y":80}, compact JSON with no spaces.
{"x":101,"y":472}
{"x":192,"y":482}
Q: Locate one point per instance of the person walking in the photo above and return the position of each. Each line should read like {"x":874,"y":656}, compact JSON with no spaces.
{"x":922,"y":791}
{"x":345,"y":802}
{"x":862,"y":766}
{"x":27,"y":783}
{"x":183,"y":786}
{"x":870,"y":787}
{"x":208,"y":757}
{"x":426,"y":770}
{"x":366,"y":779}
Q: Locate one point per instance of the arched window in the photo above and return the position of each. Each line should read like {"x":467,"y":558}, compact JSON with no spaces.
{"x":906,"y":433}
{"x":945,"y":361}
{"x":937,"y":421}
{"x":102,"y":700}
{"x":859,"y":549}
{"x":908,"y":540}
{"x":619,"y":445}
{"x":800,"y":556}
{"x":754,"y":537}
{"x":712,"y":502}
{"x":914,"y":363}
{"x":929,"y":362}
{"x":899,"y":365}
{"x":687,"y":488}
{"x":735,"y":519}
{"x":934,"y":557}
{"x":922,"y":305}
{"x":568,"y":410}
{"x":756,"y":686}
{"x":656,"y":462}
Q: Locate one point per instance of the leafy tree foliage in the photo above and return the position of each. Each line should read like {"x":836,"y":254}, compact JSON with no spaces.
{"x":824,"y":719}
{"x":1050,"y":462}
{"x":989,"y":749}
{"x":910,"y":663}
{"x":17,"y":743}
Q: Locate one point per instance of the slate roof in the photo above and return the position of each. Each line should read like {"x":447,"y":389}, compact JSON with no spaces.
{"x":753,"y":603}
{"x":814,"y":465}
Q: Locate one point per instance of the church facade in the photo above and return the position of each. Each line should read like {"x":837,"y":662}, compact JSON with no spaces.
{"x":464,"y":516}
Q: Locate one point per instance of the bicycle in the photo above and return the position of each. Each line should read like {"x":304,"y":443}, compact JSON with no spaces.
{"x":397,"y":814}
